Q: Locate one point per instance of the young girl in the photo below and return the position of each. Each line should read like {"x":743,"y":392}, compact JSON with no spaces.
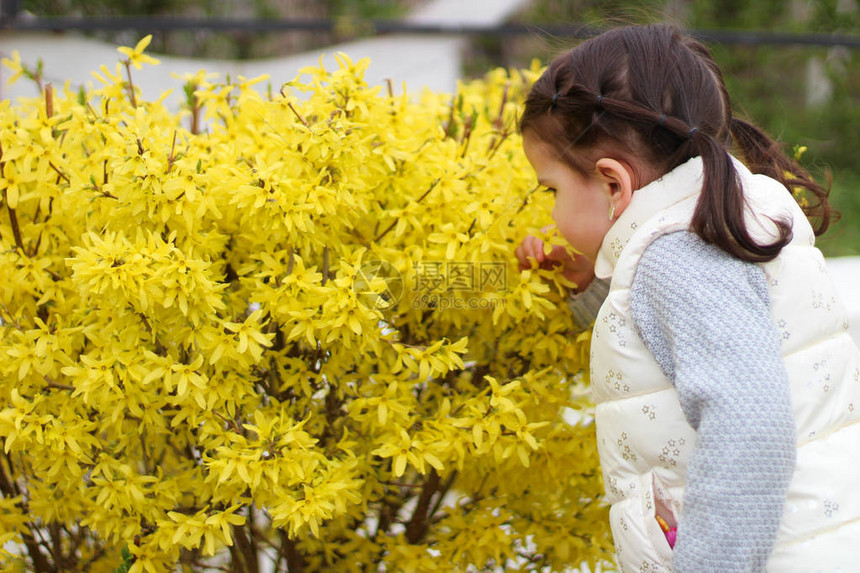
{"x":727,"y":387}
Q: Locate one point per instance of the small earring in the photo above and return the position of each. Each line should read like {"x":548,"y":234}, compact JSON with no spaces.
{"x":611,"y":211}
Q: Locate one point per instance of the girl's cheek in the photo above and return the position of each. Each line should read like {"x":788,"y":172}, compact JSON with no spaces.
{"x":559,"y":209}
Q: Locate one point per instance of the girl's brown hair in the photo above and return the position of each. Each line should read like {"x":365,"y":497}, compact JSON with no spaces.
{"x":649,"y":92}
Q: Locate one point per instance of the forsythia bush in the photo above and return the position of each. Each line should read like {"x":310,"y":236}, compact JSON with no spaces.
{"x":283,"y":330}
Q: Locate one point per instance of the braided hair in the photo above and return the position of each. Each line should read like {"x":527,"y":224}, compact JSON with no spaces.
{"x":650,"y":93}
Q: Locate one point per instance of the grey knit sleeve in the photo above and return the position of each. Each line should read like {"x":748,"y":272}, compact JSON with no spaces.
{"x":705,"y":317}
{"x":585,"y":305}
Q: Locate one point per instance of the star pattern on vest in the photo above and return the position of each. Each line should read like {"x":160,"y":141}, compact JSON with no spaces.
{"x":784,"y":334}
{"x":823,"y":375}
{"x":650,"y":411}
{"x":830,"y":507}
{"x":616,"y":380}
{"x":616,"y":325}
{"x":626,"y":450}
{"x":671,"y":452}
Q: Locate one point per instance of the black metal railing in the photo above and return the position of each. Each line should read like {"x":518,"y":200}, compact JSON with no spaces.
{"x":10,"y":19}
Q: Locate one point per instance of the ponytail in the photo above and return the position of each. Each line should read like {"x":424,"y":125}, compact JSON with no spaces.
{"x":719,"y":216}
{"x":763,"y":155}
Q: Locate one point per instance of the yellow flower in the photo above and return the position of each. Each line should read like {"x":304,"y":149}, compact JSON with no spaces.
{"x":249,"y":337}
{"x":135,"y":55}
{"x":11,"y":182}
{"x":15,"y":65}
{"x":400,"y":450}
{"x":451,"y":237}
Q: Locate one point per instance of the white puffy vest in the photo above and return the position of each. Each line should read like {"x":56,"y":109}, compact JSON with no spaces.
{"x":643,"y":437}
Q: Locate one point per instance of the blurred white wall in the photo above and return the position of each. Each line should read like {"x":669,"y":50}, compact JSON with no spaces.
{"x":418,"y":61}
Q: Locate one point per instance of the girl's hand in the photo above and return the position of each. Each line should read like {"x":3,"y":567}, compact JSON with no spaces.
{"x":577,"y":269}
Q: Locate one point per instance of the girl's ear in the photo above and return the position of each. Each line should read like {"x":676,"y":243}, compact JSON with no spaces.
{"x":617,"y":177}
